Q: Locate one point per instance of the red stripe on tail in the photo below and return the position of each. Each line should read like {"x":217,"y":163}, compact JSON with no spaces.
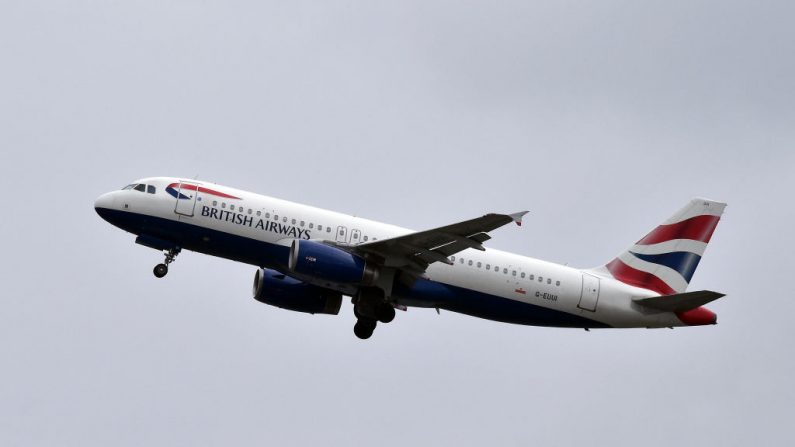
{"x":699,"y":228}
{"x":635,"y":277}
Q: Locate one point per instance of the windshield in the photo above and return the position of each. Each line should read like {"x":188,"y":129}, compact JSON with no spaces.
{"x":150,"y":189}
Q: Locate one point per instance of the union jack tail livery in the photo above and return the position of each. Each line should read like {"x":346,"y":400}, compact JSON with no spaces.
{"x":665,"y":259}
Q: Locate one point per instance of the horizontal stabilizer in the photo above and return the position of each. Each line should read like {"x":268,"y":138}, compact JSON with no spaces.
{"x":679,"y":302}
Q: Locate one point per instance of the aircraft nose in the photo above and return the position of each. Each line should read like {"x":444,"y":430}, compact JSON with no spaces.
{"x":104,"y":203}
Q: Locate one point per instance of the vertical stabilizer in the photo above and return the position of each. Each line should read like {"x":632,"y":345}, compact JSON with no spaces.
{"x":666,"y":259}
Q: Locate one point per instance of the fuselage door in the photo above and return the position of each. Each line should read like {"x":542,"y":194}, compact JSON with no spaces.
{"x":186,"y":198}
{"x":590,"y":292}
{"x":356,"y":236}
{"x":342,"y":234}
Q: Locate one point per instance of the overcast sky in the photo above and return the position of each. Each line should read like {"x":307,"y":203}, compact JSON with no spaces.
{"x":601,"y":118}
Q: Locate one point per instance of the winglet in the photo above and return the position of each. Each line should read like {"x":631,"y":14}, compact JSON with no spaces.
{"x":517,"y":217}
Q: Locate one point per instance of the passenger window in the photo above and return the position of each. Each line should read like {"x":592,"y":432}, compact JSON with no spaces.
{"x":497,"y":269}
{"x":267,"y":215}
{"x":514,"y":273}
{"x":320,"y":228}
{"x":557,"y":283}
{"x":549,"y":281}
{"x":215,"y":203}
{"x":488,"y":266}
{"x":140,"y":187}
{"x":240,"y":209}
{"x":540,"y":279}
{"x":284,"y":219}
{"x":522,"y":275}
{"x":150,"y":189}
{"x":505,"y":271}
{"x":461,"y":260}
{"x":250,"y":211}
{"x":259,"y":213}
{"x":311,"y":225}
{"x":532,"y":277}
{"x":328,"y":229}
{"x":302,"y":223}
{"x":452,"y":258}
{"x":479,"y":264}
{"x":365,"y":239}
{"x":223,"y":204}
{"x":276,"y":217}
{"x":470,"y":263}
{"x":293,"y":221}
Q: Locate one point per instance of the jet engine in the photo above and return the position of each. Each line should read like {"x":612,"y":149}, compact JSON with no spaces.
{"x":327,"y":263}
{"x":276,"y":289}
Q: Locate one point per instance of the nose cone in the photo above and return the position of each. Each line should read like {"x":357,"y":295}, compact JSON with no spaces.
{"x":698,"y":317}
{"x":104,"y":205}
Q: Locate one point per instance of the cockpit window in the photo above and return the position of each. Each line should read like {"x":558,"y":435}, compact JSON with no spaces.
{"x":140,"y":187}
{"x":128,"y":187}
{"x":150,"y":189}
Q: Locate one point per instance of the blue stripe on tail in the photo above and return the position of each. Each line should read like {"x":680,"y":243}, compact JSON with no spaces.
{"x":683,"y":262}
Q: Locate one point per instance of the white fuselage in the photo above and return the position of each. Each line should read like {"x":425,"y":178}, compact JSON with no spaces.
{"x":491,"y":273}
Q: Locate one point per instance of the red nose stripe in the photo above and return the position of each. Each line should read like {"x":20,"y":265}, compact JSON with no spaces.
{"x":189,"y":187}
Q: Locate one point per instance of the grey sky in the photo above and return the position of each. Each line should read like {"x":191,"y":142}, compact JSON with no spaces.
{"x":602,"y":118}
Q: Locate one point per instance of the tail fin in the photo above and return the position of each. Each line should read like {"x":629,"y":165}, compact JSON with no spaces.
{"x":665,"y":259}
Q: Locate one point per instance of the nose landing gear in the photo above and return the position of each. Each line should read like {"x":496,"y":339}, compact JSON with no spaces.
{"x":161,"y":270}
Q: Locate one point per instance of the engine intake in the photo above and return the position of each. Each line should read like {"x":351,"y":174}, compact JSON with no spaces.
{"x":276,"y":289}
{"x":329,"y":263}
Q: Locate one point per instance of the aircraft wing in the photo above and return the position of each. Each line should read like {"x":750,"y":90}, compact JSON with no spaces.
{"x":415,"y":251}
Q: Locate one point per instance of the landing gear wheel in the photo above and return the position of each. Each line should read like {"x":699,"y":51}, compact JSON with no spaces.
{"x":160,"y":270}
{"x":364,"y":328}
{"x":386,"y":313}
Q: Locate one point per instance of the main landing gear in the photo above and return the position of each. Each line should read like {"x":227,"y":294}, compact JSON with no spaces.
{"x":161,"y":270}
{"x":364,"y":328}
{"x":371,"y":307}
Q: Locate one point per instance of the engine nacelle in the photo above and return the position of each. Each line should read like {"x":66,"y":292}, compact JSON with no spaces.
{"x":330,"y":264}
{"x":276,"y":289}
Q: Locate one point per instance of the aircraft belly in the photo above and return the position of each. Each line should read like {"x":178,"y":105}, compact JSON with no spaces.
{"x":485,"y":305}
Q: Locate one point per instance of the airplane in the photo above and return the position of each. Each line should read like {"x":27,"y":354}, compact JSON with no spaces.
{"x":307,"y":258}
